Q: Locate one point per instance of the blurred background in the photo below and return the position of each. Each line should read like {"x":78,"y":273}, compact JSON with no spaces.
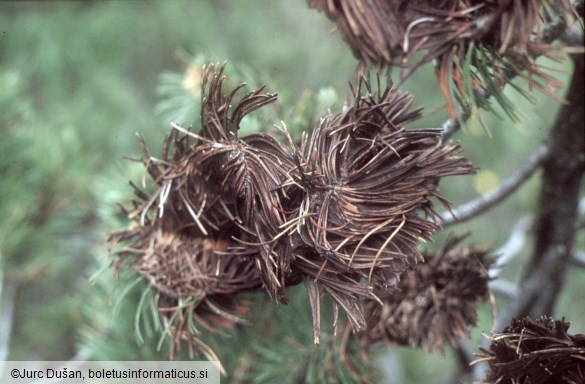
{"x":78,"y":80}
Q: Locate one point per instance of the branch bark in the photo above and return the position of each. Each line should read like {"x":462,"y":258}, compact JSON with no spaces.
{"x":556,"y":222}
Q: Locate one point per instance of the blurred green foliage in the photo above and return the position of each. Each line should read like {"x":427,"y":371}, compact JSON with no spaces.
{"x":79,"y":79}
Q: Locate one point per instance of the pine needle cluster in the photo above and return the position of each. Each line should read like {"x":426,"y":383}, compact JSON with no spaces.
{"x":536,"y":352}
{"x":341,"y":212}
{"x":478,"y":45}
{"x":437,"y":301}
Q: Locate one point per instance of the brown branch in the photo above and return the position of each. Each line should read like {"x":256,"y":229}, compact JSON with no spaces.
{"x":556,"y":222}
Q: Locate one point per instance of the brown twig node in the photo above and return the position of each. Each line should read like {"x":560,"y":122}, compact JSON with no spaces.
{"x":342,"y":212}
{"x":535,"y":352}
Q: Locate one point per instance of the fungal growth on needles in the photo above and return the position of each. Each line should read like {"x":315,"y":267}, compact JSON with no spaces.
{"x":477,"y":46}
{"x":341,"y":212}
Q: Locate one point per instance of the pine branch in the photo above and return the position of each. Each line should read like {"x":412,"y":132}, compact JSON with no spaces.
{"x":558,"y":212}
{"x":531,"y":288}
{"x":535,"y":351}
{"x":556,"y":222}
{"x":556,"y":29}
{"x":557,"y":219}
{"x":476,"y":207}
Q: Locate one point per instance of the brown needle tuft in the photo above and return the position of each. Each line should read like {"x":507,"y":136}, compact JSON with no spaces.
{"x":475,"y":43}
{"x":537,"y":352}
{"x":436,"y":302}
{"x":342,"y":213}
{"x":368,"y":185}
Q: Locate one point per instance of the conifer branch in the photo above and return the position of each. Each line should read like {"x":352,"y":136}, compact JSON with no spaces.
{"x":557,"y":217}
{"x":556,"y":29}
{"x":558,"y":211}
{"x":476,"y":207}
